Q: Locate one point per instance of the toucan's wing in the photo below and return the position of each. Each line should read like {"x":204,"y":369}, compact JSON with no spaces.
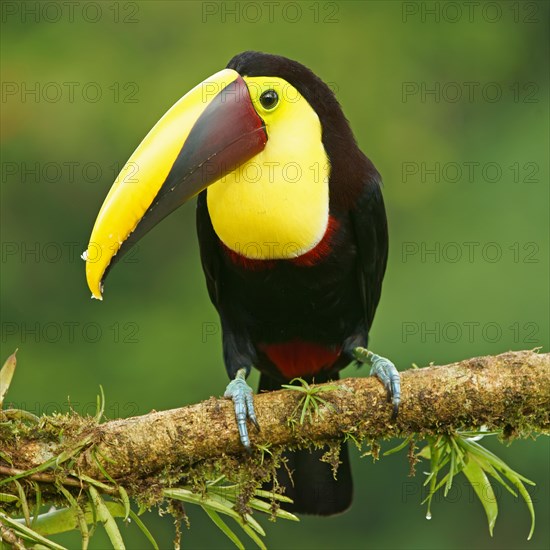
{"x":210,"y":251}
{"x":238,"y":350}
{"x":371,"y":235}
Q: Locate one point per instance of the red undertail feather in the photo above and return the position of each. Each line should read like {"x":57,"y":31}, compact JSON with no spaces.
{"x":297,"y":358}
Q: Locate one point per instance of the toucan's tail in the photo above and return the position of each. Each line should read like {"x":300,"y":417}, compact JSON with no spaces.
{"x":313,"y":487}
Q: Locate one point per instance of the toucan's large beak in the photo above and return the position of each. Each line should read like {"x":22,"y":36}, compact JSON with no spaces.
{"x":206,"y":134}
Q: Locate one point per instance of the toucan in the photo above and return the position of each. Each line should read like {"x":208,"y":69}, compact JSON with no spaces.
{"x":292,"y":232}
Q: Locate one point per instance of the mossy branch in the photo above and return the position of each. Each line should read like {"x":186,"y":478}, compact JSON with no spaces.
{"x":508,"y":392}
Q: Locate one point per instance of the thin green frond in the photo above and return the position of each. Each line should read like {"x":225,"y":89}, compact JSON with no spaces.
{"x":79,"y":514}
{"x":310,"y":401}
{"x":399,"y":447}
{"x":109,"y":523}
{"x":40,"y":468}
{"x":246,"y":528}
{"x":29,"y":533}
{"x":462,"y":453}
{"x":483,"y":489}
{"x":223,"y":527}
{"x":6,"y":374}
{"x":137,"y":520}
{"x":24,"y":504}
{"x":100,"y":407}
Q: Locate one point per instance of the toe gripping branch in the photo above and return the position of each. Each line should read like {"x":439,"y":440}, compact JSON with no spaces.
{"x":386,"y":372}
{"x":241,"y":394}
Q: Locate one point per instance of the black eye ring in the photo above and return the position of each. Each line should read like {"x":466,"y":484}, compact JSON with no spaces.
{"x":269,"y":100}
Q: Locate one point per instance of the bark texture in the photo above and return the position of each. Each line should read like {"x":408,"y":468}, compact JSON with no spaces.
{"x":510,"y":391}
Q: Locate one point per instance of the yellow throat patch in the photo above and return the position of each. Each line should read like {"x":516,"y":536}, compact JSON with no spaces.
{"x":276,"y":205}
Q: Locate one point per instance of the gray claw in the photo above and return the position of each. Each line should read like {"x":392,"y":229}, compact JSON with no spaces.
{"x":241,"y":394}
{"x":386,"y":372}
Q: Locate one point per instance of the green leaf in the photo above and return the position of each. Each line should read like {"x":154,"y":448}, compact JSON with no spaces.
{"x":485,"y":456}
{"x":256,"y":503}
{"x":125,"y":500}
{"x":105,"y":516}
{"x":6,"y":375}
{"x":65,"y":519}
{"x":476,"y":434}
{"x":246,"y":528}
{"x":38,"y":502}
{"x":100,"y":409}
{"x":529,"y":502}
{"x":223,"y":527}
{"x":251,"y":522}
{"x":425,"y":453}
{"x":95,"y":483}
{"x":144,"y":529}
{"x":401,"y":445}
{"x":272,"y":495}
{"x":18,"y":414}
{"x":78,"y":514}
{"x":305,"y":408}
{"x":450,"y":475}
{"x":70,"y":453}
{"x":39,"y":468}
{"x":265,"y":507}
{"x":483,"y":489}
{"x":497,"y":462}
{"x":215,"y":502}
{"x":436,"y":467}
{"x":24,"y":503}
{"x":23,"y":530}
{"x":488,"y":467}
{"x":101,"y":468}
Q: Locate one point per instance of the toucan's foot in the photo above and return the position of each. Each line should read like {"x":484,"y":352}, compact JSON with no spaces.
{"x":241,"y":394}
{"x":386,"y":372}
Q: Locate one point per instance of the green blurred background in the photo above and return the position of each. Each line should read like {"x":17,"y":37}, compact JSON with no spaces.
{"x":459,"y":90}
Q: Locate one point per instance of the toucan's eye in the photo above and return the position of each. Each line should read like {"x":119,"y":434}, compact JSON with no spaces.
{"x":269,"y":99}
